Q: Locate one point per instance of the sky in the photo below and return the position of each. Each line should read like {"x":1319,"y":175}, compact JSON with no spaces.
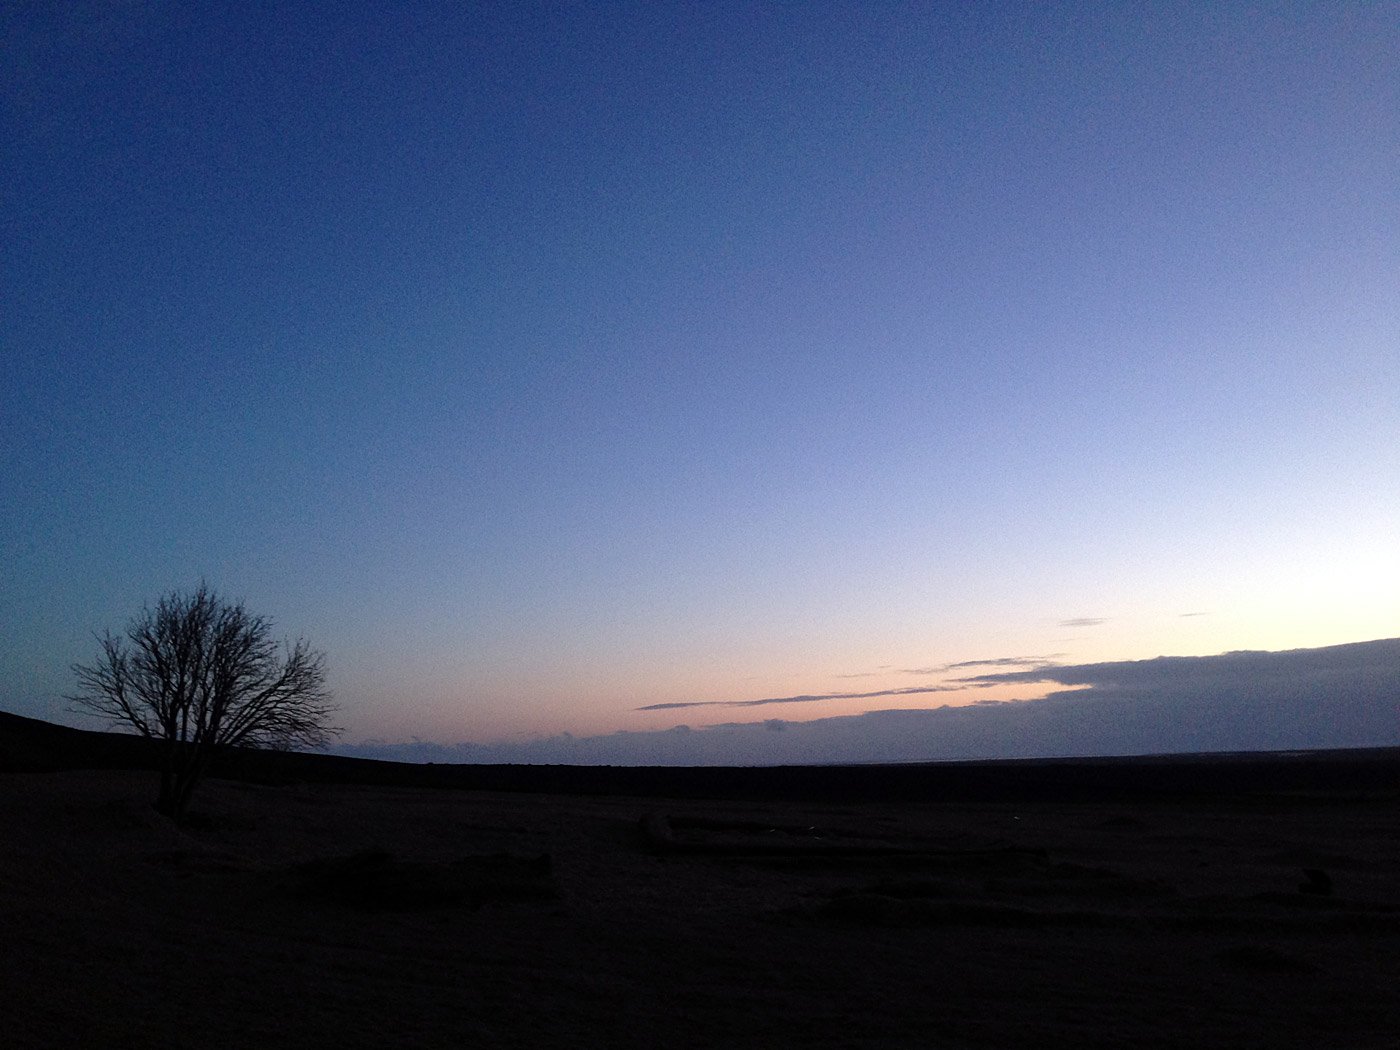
{"x":557,"y":368}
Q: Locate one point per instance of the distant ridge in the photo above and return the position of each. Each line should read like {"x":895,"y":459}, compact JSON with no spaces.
{"x":29,"y":745}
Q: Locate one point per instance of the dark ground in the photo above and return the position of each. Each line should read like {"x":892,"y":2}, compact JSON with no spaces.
{"x":297,"y":913}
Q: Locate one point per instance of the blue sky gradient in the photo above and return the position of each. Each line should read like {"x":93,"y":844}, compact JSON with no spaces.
{"x":549,"y":364}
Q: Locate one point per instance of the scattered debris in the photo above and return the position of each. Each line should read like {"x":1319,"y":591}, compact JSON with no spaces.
{"x":1316,"y":881}
{"x":692,"y":837}
{"x":1263,"y":959}
{"x":374,"y":880}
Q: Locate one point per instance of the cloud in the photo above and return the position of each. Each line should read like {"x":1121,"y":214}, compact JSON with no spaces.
{"x":996,"y":661}
{"x":1231,"y":668}
{"x":1340,"y":696}
{"x":809,"y":698}
{"x":1084,"y":621}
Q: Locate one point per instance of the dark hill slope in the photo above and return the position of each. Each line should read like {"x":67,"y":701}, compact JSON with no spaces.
{"x":31,"y":746}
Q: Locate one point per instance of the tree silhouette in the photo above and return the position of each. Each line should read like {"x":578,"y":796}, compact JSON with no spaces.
{"x":197,"y":674}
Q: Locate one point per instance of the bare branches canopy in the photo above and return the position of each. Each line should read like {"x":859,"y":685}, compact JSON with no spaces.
{"x":196,"y":674}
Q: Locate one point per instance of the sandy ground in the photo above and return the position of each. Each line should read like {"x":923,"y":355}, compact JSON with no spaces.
{"x":735,"y":924}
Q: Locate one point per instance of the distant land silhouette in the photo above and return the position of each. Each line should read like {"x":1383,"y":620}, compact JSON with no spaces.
{"x":1336,"y":696}
{"x":32,"y":745}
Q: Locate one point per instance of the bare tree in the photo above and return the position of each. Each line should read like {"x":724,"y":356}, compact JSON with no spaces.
{"x":197,"y":674}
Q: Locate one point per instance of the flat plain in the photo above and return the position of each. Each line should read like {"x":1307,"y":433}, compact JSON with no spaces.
{"x":368,"y":915}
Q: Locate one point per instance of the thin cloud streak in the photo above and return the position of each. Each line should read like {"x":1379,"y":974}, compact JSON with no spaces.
{"x":1084,"y":621}
{"x":997,"y":661}
{"x":807,"y":699}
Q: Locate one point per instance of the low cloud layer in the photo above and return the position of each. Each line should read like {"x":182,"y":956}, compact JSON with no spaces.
{"x":1340,"y":696}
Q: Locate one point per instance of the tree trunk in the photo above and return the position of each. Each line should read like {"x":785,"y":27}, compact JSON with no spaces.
{"x":181,"y":768}
{"x":165,"y":801}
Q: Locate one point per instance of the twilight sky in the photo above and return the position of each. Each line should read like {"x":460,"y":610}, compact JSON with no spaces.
{"x":558,"y":368}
